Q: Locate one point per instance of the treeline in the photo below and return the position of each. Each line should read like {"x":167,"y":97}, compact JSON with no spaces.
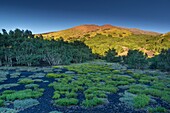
{"x":138,"y":60}
{"x":20,"y":47}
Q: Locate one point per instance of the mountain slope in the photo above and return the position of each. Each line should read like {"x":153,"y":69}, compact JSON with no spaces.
{"x":91,"y":30}
{"x":102,"y":38}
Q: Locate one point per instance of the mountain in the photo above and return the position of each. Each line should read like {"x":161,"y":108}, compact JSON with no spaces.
{"x":91,"y":30}
{"x":103,"y":38}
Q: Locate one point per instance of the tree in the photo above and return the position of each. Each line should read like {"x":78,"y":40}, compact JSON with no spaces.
{"x":111,"y":56}
{"x":161,"y":61}
{"x":136,"y":59}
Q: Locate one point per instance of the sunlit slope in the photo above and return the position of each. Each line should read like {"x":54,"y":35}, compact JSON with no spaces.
{"x":81,"y":31}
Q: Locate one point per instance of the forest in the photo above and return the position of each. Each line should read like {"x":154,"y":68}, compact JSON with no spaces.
{"x":22,"y":48}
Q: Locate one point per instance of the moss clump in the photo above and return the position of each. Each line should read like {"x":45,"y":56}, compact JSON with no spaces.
{"x":141,"y":101}
{"x":26,"y":81}
{"x":66,"y":101}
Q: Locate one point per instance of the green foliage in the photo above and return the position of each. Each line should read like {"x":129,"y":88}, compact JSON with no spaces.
{"x":1,"y":102}
{"x":136,"y":59}
{"x":92,"y":102}
{"x":56,"y":95}
{"x":111,"y":56}
{"x":23,"y":94}
{"x":71,"y":95}
{"x":66,"y":101}
{"x":30,"y":51}
{"x":25,"y":81}
{"x":141,"y":101}
{"x":162,"y":61}
{"x":53,"y":75}
{"x":158,"y":109}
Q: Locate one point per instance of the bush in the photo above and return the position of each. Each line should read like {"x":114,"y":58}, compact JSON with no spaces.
{"x":53,"y":75}
{"x":162,"y":61}
{"x":141,"y":101}
{"x":71,"y":95}
{"x":1,"y":102}
{"x":111,"y":56}
{"x":66,"y":101}
{"x":26,"y":81}
{"x":93,"y":102}
{"x":136,"y":59}
{"x":23,"y":94}
{"x":56,"y":95}
{"x":158,"y":109}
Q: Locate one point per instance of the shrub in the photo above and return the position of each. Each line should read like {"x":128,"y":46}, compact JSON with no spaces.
{"x":23,"y":94}
{"x":23,"y":104}
{"x":141,"y":101}
{"x":54,"y":75}
{"x":56,"y":95}
{"x":1,"y":102}
{"x":136,"y":59}
{"x":66,"y":101}
{"x":158,"y":109}
{"x":93,"y":102}
{"x":26,"y":81}
{"x":89,"y":96}
{"x":71,"y":95}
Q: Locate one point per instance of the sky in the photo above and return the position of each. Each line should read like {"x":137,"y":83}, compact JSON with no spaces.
{"x":41,"y":16}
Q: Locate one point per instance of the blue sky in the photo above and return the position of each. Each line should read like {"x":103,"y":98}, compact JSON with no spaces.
{"x":51,"y":15}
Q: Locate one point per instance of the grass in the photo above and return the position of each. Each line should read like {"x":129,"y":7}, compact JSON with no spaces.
{"x":66,"y":101}
{"x":141,"y":101}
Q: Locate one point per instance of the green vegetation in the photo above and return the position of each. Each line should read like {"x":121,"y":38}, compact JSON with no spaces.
{"x":136,"y":59}
{"x":158,"y":109}
{"x":25,"y":81}
{"x":1,"y":102}
{"x":66,"y":101}
{"x":92,"y":102}
{"x":23,"y":94}
{"x":30,"y":51}
{"x":141,"y":101}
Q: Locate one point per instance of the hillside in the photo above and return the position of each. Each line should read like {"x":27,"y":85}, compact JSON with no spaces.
{"x":102,"y":38}
{"x":91,"y":30}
